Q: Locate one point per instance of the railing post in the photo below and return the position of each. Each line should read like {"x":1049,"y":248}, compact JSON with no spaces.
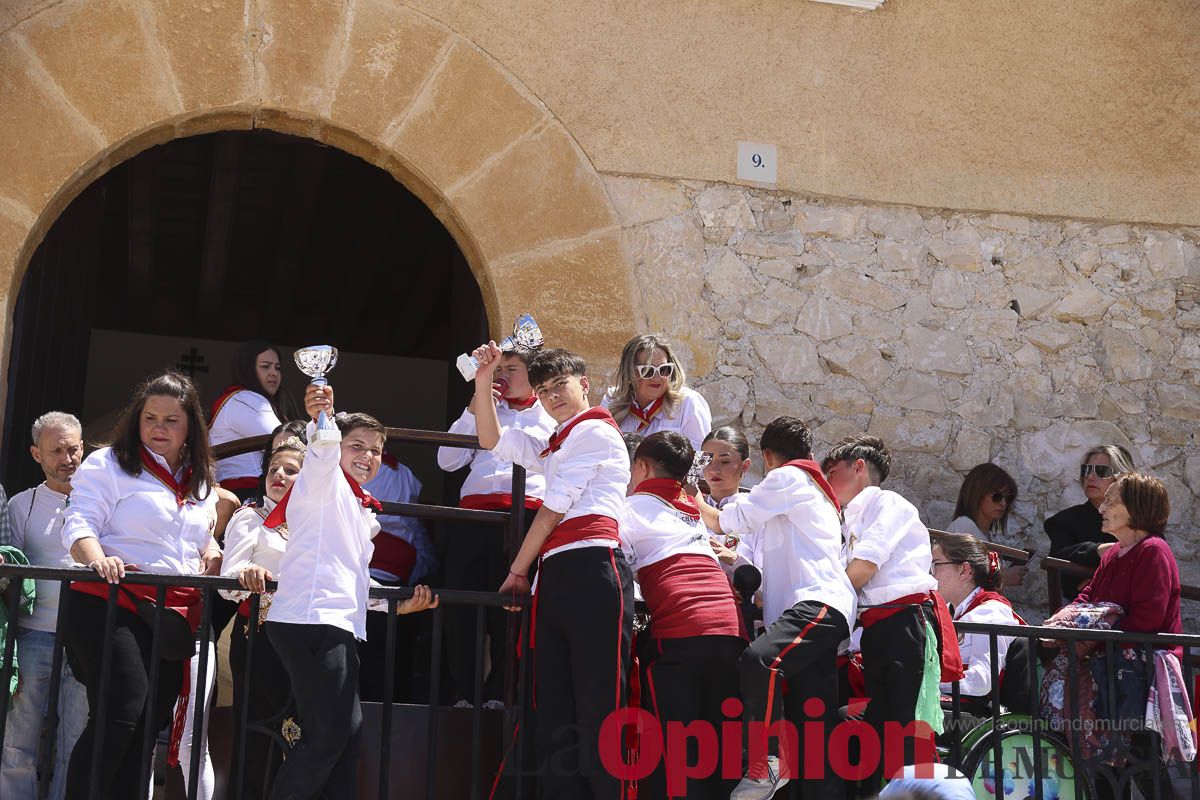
{"x":110,"y":624}
{"x":149,"y":735}
{"x":389,"y":693}
{"x":199,"y":743}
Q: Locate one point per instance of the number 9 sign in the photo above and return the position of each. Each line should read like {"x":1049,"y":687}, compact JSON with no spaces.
{"x":756,"y":162}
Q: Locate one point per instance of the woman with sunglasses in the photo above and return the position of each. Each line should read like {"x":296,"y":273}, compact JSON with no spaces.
{"x":984,"y":503}
{"x":649,"y":395}
{"x":1075,"y":533}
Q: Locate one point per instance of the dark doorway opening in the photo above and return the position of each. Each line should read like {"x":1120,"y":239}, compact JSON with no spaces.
{"x":207,"y":241}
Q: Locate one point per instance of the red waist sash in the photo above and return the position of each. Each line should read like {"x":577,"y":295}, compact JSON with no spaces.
{"x":500,"y":501}
{"x":184,"y":600}
{"x":951,"y":660}
{"x":576,"y":529}
{"x":689,"y":595}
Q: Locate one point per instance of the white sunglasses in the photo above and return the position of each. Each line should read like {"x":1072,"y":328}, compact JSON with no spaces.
{"x":647,"y":371}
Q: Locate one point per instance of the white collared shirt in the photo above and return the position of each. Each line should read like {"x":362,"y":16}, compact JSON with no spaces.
{"x":491,"y":474}
{"x":323,"y":575}
{"x":885,"y":529}
{"x":137,"y":518}
{"x":244,"y":414}
{"x":800,"y":539}
{"x":652,"y":529}
{"x":248,"y":542}
{"x":588,"y":474}
{"x":692,"y":418}
{"x":976,"y":650}
{"x":37,"y":516}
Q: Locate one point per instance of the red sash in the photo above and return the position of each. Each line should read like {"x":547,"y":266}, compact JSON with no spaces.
{"x":576,"y":529}
{"x":560,"y":436}
{"x":179,"y":489}
{"x":671,"y":491}
{"x":278,"y":515}
{"x":644,"y":416}
{"x":393,"y":554}
{"x":985,"y":595}
{"x":814,"y":471}
{"x":498,"y":501}
{"x":952,"y":667}
{"x":184,"y":600}
{"x":219,"y":403}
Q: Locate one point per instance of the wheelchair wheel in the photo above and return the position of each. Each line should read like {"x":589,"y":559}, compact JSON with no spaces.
{"x":1017,"y":759}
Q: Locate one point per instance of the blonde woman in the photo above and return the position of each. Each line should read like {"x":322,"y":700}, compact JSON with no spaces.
{"x":649,"y":395}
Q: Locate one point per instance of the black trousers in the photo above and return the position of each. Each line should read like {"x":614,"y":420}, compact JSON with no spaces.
{"x":582,"y":627}
{"x":322,"y":663}
{"x":800,"y":647}
{"x":372,"y":657}
{"x":685,"y":680}
{"x":476,"y":560}
{"x":893,"y":654}
{"x":130,"y":706}
{"x":266,"y":694}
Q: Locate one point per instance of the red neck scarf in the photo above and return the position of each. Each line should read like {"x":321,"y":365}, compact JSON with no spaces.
{"x":180,"y":489}
{"x":219,"y":403}
{"x":645,"y":415}
{"x":671,"y":491}
{"x":814,"y":471}
{"x":521,"y":405}
{"x":984,"y":596}
{"x":559,"y":436}
{"x":278,"y":515}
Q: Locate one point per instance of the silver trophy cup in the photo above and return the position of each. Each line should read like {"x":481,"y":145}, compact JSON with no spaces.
{"x":316,"y":362}
{"x":526,"y":334}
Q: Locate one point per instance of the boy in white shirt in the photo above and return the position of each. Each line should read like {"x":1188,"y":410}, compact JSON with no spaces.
{"x":807,"y":603}
{"x":889,"y":567}
{"x":582,"y":618}
{"x":320,"y":607}
{"x":476,"y":557}
{"x":37,"y":517}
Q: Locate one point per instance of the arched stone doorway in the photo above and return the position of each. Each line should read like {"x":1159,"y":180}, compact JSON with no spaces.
{"x":90,"y":84}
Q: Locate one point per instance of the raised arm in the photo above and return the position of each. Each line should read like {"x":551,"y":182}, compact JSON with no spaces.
{"x":484,"y":404}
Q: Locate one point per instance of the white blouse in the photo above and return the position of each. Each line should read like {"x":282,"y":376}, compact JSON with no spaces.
{"x":137,"y":518}
{"x":692,"y":418}
{"x":976,"y":648}
{"x":884,"y":529}
{"x":491,"y":474}
{"x":244,"y":414}
{"x":248,"y":542}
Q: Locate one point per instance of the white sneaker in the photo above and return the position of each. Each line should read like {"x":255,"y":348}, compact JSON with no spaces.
{"x":494,"y":705}
{"x":760,"y":788}
{"x":463,"y":704}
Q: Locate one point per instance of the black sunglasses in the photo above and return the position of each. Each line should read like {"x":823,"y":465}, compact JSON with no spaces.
{"x":1102,"y":471}
{"x":998,"y":497}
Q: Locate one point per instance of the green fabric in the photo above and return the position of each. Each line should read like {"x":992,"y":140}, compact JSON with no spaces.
{"x":14,"y":556}
{"x":929,"y":705}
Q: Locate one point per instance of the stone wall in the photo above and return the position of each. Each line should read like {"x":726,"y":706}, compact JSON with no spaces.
{"x":956,"y":337}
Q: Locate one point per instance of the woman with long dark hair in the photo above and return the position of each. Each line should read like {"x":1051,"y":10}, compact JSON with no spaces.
{"x":252,"y":405}
{"x":145,"y":502}
{"x":984,"y":504}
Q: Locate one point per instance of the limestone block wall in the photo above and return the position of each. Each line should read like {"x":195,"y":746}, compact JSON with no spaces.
{"x":957,"y":337}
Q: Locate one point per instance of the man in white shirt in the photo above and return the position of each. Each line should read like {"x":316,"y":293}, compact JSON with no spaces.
{"x":475,"y":554}
{"x":37,"y":517}
{"x":320,"y":608}
{"x":807,"y":605}
{"x":582,"y":619}
{"x":890,"y":559}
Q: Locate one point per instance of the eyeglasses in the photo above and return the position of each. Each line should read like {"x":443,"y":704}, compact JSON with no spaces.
{"x":1102,"y":471}
{"x":1001,"y":497}
{"x":943,"y":563}
{"x":647,"y":371}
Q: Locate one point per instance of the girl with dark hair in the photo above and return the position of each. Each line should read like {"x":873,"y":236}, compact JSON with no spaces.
{"x":984,"y":503}
{"x":969,"y":578}
{"x":730,"y":451}
{"x":145,"y":502}
{"x":252,"y":405}
{"x":649,"y":395}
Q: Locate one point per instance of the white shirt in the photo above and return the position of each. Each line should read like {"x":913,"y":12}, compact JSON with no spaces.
{"x":323,"y":575}
{"x":885,"y":529}
{"x":137,"y":517}
{"x":588,"y":474}
{"x":244,"y":414}
{"x":489,"y":473}
{"x":248,"y":542}
{"x":976,"y":650}
{"x":398,"y":485}
{"x":652,"y":529}
{"x":692,"y":418}
{"x":801,"y":541}
{"x":37,"y":516}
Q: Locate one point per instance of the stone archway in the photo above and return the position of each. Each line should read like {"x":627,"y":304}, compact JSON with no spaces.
{"x":89,"y":83}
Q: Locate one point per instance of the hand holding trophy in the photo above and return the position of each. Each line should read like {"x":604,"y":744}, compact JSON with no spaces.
{"x":526,"y":334}
{"x":316,"y":362}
